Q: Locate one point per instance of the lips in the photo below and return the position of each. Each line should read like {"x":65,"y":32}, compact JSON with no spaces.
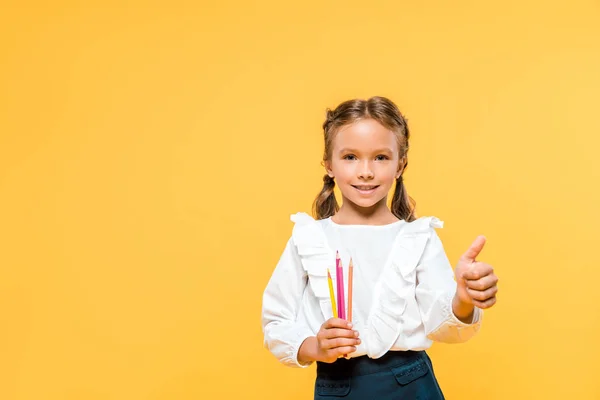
{"x":365,"y":189}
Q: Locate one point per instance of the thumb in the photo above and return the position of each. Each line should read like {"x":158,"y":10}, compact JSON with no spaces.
{"x":476,"y":247}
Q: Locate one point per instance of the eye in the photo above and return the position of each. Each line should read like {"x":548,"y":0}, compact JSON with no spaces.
{"x":381,"y":157}
{"x":350,"y":157}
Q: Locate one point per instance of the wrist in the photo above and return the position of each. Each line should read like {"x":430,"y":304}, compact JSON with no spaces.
{"x":463,"y":311}
{"x":307,"y":352}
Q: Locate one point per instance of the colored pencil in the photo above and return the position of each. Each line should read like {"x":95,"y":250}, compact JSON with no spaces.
{"x":331,"y":295}
{"x":339,"y":272}
{"x":350,"y":273}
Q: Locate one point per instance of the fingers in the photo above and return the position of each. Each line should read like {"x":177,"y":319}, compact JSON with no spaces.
{"x":337,"y":339}
{"x":330,"y":338}
{"x":485,"y":304}
{"x":478,"y":270}
{"x":482,"y":284}
{"x":483,"y":295}
{"x":336,"y":332}
{"x":471,"y":254}
{"x":339,"y":343}
{"x":337,"y":323}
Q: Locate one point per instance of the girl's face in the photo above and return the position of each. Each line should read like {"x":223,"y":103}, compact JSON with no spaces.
{"x":365,"y":162}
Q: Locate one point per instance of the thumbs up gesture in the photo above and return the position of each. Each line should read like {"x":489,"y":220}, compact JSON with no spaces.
{"x":476,"y":281}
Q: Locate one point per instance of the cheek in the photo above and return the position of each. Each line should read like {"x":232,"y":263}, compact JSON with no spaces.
{"x":346,"y":176}
{"x":388,"y":174}
{"x":342,"y":171}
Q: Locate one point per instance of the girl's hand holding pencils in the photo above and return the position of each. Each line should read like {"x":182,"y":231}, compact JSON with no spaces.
{"x":476,"y":282}
{"x":335,"y":339}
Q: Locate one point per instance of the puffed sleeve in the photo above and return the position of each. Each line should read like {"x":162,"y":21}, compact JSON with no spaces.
{"x":434,"y":292}
{"x":283,"y":330}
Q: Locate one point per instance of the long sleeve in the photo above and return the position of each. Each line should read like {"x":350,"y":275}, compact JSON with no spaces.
{"x":434,"y":292}
{"x":283,"y":329}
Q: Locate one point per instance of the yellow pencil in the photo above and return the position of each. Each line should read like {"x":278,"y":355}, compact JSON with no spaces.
{"x":333,"y":306}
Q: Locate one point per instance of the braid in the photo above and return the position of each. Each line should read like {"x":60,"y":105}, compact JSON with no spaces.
{"x":325,"y":205}
{"x":403,"y":206}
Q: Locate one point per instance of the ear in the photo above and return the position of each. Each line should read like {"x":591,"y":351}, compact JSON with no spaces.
{"x":327,"y":165}
{"x":401,"y":165}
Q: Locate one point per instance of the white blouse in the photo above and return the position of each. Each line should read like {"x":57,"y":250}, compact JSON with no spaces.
{"x":402,"y":291}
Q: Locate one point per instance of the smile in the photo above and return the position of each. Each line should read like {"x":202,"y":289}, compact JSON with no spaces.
{"x":365,"y":188}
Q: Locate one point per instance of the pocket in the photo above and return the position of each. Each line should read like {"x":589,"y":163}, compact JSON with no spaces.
{"x":410,"y":372}
{"x":330,"y":387}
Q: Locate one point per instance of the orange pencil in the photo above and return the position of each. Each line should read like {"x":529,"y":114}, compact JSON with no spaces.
{"x":350,"y":273}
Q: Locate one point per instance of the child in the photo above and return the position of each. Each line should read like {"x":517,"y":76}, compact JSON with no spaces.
{"x":404,"y":292}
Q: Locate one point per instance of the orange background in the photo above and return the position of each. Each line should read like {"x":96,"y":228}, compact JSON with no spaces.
{"x":150,"y":155}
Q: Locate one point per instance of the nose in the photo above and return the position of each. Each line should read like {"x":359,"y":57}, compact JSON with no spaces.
{"x":365,"y":171}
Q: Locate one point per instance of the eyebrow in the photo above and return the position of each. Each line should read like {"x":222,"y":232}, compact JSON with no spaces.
{"x":382,"y":150}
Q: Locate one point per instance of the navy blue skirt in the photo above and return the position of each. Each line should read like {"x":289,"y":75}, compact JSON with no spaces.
{"x":398,"y":375}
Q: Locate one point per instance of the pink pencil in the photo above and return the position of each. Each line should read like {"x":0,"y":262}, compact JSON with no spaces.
{"x":339,"y":272}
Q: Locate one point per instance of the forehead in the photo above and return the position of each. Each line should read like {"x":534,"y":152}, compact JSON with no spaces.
{"x":365,"y":135}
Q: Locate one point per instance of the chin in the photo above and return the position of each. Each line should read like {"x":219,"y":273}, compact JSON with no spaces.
{"x":365,"y":203}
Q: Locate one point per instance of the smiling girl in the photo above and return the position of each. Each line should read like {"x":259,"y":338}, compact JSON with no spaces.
{"x":406,"y":294}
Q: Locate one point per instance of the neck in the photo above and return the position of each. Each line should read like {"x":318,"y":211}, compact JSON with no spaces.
{"x":352,"y":214}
